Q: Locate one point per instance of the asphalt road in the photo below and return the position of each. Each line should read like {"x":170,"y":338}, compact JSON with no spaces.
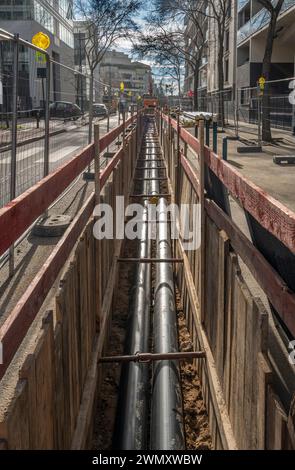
{"x":30,"y":157}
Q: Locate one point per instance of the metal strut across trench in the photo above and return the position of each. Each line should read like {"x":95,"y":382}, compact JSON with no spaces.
{"x":132,"y":429}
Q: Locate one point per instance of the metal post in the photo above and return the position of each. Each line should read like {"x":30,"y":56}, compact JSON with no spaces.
{"x":215,"y":128}
{"x":161,"y":125}
{"x":124,"y":131}
{"x":196,"y":129}
{"x":14,"y":138}
{"x":47,"y":118}
{"x":224,"y":148}
{"x":259,"y":103}
{"x":176,"y":167}
{"x":96,"y":164}
{"x":207,"y":133}
{"x":203,"y":221}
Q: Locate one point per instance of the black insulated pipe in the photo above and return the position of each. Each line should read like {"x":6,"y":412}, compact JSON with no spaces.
{"x":131,"y":429}
{"x":167,"y":432}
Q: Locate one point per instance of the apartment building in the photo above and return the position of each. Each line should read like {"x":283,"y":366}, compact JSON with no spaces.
{"x":252,"y":27}
{"x":117,"y":67}
{"x":244,"y":46}
{"x":28,"y":17}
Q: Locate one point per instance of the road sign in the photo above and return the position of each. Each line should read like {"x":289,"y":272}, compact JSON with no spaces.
{"x":261,"y":82}
{"x":41,"y":40}
{"x":40,"y":58}
{"x":122,"y":86}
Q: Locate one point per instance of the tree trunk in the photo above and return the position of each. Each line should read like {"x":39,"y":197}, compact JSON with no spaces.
{"x":179,"y":92}
{"x":90,"y":106}
{"x":220,"y":82}
{"x":266,"y":64}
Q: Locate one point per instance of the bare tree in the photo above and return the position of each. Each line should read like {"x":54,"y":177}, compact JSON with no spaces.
{"x":160,"y":49}
{"x":274,"y":10}
{"x":105,"y":22}
{"x":218,"y":11}
{"x":166,"y":31}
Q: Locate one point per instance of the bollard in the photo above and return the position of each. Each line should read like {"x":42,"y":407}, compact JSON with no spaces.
{"x":224,"y":148}
{"x":215,"y":128}
{"x":207,"y":126}
{"x":196,"y":129}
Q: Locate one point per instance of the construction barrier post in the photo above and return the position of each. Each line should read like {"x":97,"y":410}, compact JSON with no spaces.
{"x":202,"y":228}
{"x":224,"y":148}
{"x":207,"y":124}
{"x":215,"y":128}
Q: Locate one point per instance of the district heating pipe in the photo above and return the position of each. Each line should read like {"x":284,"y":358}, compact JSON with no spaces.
{"x":167,"y":431}
{"x":131,"y":430}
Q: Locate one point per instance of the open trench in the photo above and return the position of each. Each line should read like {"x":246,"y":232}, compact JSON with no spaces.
{"x":143,"y":405}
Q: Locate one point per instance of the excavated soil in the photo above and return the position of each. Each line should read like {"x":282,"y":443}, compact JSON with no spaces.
{"x":196,"y":423}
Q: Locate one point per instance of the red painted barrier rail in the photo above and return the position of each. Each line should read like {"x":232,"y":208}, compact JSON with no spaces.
{"x":270,"y":213}
{"x":17,"y":216}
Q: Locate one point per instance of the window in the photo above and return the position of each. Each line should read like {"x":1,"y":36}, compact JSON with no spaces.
{"x":66,"y":36}
{"x":226,"y":41}
{"x":226,"y":70}
{"x":66,"y":9}
{"x":43,"y":17}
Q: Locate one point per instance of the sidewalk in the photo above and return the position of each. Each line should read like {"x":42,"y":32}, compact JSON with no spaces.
{"x":277,"y":180}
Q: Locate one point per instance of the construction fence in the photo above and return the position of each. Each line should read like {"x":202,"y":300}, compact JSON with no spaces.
{"x":44,"y":118}
{"x":245,"y":112}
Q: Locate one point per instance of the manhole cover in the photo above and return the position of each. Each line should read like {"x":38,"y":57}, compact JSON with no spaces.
{"x":52,"y":226}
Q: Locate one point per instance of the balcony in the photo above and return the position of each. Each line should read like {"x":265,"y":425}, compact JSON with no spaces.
{"x":258,"y":21}
{"x":242,"y":3}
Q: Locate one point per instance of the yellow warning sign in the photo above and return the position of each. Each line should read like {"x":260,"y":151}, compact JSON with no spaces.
{"x":41,"y":40}
{"x":261,"y":82}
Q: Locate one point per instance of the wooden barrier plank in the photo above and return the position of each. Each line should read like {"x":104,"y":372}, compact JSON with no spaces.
{"x":45,"y":373}
{"x":190,"y":173}
{"x":270,"y":213}
{"x":28,"y":373}
{"x":20,"y":213}
{"x":275,"y":421}
{"x":59,"y":388}
{"x":15,"y":428}
{"x":274,"y":287}
{"x":110,"y":167}
{"x":209,"y":375}
{"x":264,"y":377}
{"x":16,"y":325}
{"x":107,"y":139}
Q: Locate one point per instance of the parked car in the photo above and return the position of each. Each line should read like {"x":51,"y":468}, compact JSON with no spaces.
{"x":100,"y":110}
{"x":65,"y":110}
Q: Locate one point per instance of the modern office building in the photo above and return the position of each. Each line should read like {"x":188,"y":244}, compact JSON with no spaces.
{"x":81,"y":42}
{"x":28,"y":17}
